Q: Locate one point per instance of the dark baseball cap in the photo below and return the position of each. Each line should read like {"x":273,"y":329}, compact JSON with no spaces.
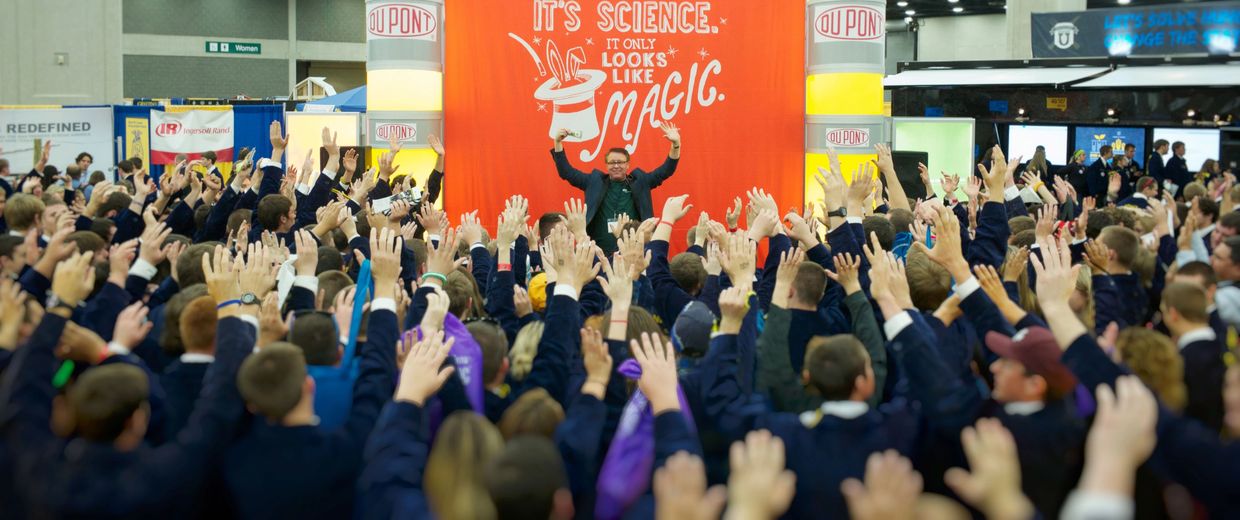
{"x":1037,"y":350}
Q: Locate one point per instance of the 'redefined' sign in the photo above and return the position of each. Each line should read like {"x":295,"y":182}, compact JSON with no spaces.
{"x":404,"y":21}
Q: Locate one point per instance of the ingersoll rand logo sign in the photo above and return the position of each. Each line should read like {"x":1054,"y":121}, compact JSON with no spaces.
{"x":848,"y":136}
{"x":401,"y":21}
{"x":396,"y":131}
{"x":167,"y":129}
{"x":850,"y":22}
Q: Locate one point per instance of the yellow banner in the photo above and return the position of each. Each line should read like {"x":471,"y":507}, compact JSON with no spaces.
{"x":137,"y":139}
{"x":174,"y":109}
{"x":1057,"y":103}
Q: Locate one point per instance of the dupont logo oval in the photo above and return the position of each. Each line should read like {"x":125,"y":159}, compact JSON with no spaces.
{"x":167,"y":129}
{"x":397,"y":131}
{"x":400,"y":21}
{"x":851,"y":22}
{"x":848,"y":136}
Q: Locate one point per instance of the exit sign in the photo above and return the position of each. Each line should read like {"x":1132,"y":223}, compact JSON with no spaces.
{"x":234,"y":48}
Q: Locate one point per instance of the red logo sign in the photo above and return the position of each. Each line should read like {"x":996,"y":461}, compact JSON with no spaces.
{"x":848,"y":136}
{"x":851,"y":22}
{"x":397,"y":131}
{"x":167,"y":129}
{"x":400,"y":21}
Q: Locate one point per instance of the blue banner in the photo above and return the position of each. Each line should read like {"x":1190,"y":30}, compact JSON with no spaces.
{"x":1205,"y":28}
{"x":1092,"y":138}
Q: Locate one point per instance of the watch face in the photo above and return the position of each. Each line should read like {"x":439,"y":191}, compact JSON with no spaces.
{"x":249,"y":299}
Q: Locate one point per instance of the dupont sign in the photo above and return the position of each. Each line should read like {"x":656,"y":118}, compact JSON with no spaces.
{"x":396,"y":131}
{"x":849,"y":23}
{"x":401,"y":21}
{"x":848,"y":136}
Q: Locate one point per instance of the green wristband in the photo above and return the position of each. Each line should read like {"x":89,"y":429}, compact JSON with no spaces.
{"x":441,"y":277}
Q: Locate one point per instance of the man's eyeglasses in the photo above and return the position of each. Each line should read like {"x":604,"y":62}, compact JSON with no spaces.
{"x":617,"y":163}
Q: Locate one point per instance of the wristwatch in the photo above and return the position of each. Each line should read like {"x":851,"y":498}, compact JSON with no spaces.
{"x":249,"y":299}
{"x":54,"y":302}
{"x":841,"y":212}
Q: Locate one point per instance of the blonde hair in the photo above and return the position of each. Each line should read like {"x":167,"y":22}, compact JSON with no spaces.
{"x":464,"y":445}
{"x":534,"y":413}
{"x":1154,"y":358}
{"x":524,"y":348}
{"x":928,"y":283}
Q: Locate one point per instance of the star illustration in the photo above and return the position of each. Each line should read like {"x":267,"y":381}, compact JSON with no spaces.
{"x":723,"y":21}
{"x":537,"y":40}
{"x":535,"y":78}
{"x":703,"y":53}
{"x":589,"y":41}
{"x":671,"y":51}
{"x":542,"y":107}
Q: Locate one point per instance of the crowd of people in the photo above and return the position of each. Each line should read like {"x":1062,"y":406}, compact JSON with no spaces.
{"x":266,"y":345}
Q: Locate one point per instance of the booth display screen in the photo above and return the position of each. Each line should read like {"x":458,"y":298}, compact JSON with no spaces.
{"x":1199,"y":144}
{"x":1092,"y":138}
{"x":949,"y":143}
{"x":1023,"y":141}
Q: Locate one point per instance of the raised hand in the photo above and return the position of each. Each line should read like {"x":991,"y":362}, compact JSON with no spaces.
{"x":258,"y":274}
{"x":738,"y":256}
{"x":733,"y":304}
{"x":1121,"y":438}
{"x":1055,"y":272}
{"x":423,"y":372}
{"x":278,"y":140}
{"x":674,"y":209}
{"x":996,"y":176}
{"x":670,"y":131}
{"x":575,"y":210}
{"x":74,"y":279}
{"x":1097,"y":255}
{"x":950,"y":184}
{"x":733,"y":214}
{"x":617,"y":284}
{"x":132,"y":326}
{"x":993,"y":484}
{"x":847,"y":272}
{"x":120,"y":257}
{"x":801,"y":230}
{"x":767,"y":224}
{"x":659,"y":380}
{"x":759,"y":485}
{"x":152,"y":242}
{"x":1047,"y":217}
{"x":436,"y":144}
{"x":890,"y":490}
{"x":12,"y":312}
{"x":437,"y":304}
{"x":597,"y":362}
{"x":947,"y":250}
{"x":680,"y":490}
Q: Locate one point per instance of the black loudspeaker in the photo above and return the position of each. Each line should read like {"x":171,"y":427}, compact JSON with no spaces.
{"x":906,"y":170}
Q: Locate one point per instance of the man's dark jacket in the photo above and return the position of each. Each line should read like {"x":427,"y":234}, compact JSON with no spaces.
{"x":595,"y":184}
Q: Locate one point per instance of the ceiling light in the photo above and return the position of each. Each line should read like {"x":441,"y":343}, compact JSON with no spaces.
{"x":1123,"y":2}
{"x":957,"y":9}
{"x":902,"y":3}
{"x":908,"y":19}
{"x":910,"y":12}
{"x":952,"y":1}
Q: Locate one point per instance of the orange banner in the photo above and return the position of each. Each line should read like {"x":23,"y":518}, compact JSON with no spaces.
{"x":730,"y":74}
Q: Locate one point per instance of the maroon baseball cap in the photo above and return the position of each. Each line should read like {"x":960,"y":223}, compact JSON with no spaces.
{"x":1037,"y":350}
